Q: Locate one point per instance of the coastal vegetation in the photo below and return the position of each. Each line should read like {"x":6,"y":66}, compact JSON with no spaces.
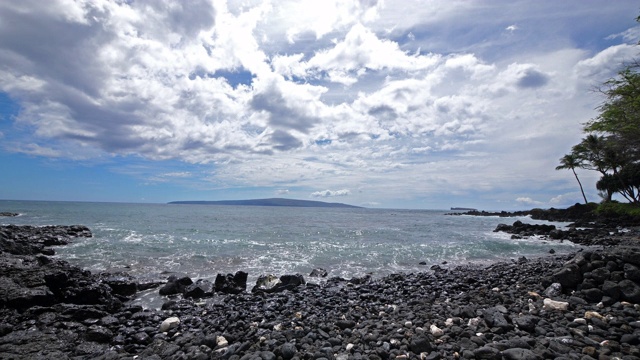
{"x":612,"y":143}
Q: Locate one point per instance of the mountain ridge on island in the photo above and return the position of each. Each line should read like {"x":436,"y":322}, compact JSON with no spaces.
{"x":268,"y":202}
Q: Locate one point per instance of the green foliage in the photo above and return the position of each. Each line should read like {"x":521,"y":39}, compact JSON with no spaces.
{"x":612,"y":144}
{"x":618,"y":209}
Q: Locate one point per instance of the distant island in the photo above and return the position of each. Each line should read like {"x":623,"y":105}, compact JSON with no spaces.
{"x":464,"y":209}
{"x":269,"y":202}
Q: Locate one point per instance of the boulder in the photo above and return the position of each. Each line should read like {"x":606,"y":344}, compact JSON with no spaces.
{"x":600,"y":275}
{"x":120,"y":283}
{"x":175,"y":285}
{"x":630,"y":291}
{"x":271,"y":284}
{"x":487,"y":352}
{"x":631,"y":272}
{"x":99,"y":334}
{"x":319,"y":272}
{"x":611,"y":289}
{"x":266,"y":283}
{"x":201,"y":288}
{"x":494,"y":318}
{"x":519,"y":354}
{"x":231,"y":284}
{"x":288,"y":351}
{"x":169,"y":323}
{"x":553,"y":290}
{"x":569,"y":276}
{"x":16,"y":296}
{"x":526,"y":322}
{"x":593,"y":295}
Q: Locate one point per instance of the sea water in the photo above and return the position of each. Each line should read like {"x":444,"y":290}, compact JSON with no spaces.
{"x":152,"y":241}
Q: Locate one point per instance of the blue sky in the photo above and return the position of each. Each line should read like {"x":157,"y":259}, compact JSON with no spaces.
{"x":403,"y":104}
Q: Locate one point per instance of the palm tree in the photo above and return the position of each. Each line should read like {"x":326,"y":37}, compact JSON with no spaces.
{"x":572,"y":161}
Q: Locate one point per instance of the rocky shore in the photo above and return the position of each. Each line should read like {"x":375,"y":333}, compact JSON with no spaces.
{"x":581,"y":306}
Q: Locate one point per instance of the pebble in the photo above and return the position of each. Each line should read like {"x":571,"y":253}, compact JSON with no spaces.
{"x":555,"y":305}
{"x":436,"y":331}
{"x":169,"y":323}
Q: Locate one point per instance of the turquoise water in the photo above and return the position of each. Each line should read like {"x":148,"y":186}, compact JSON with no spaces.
{"x":152,"y":240}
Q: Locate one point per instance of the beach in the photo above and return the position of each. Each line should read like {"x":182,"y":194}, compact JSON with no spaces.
{"x":583,"y":305}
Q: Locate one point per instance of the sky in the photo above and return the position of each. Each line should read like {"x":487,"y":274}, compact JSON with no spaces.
{"x":389,"y":104}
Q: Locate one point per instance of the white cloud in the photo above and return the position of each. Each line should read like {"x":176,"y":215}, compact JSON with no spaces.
{"x":331,"y":193}
{"x":394,"y":99}
{"x":528,"y":201}
{"x":178,"y":174}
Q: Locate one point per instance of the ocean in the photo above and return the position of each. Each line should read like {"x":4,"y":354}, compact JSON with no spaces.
{"x":152,"y":241}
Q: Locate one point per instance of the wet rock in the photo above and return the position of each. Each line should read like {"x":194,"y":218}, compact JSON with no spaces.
{"x":266,"y":283}
{"x":175,"y":285}
{"x":272,"y":284}
{"x":231,"y":284}
{"x":201,"y":288}
{"x":120,"y":283}
{"x":319,"y":272}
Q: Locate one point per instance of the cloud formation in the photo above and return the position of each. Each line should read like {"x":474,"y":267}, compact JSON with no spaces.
{"x":364,"y":94}
{"x":331,"y":193}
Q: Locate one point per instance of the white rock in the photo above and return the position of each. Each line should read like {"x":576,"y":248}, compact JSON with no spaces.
{"x":169,"y":323}
{"x":580,"y":321}
{"x":436,"y":331}
{"x":594,"y":314}
{"x":448,"y":322}
{"x":221,"y":341}
{"x":473,"y":322}
{"x":277,"y":327}
{"x":555,"y":305}
{"x":349,"y":346}
{"x":408,"y":324}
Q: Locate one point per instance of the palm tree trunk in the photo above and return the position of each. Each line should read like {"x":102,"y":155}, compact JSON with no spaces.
{"x":581,"y":189}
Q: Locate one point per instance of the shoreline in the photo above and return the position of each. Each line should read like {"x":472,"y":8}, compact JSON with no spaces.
{"x":491,"y":312}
